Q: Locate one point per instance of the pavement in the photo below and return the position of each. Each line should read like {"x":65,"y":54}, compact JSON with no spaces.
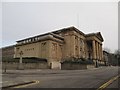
{"x":46,"y":78}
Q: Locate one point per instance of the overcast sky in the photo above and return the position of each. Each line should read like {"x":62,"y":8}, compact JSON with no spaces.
{"x":21,"y":20}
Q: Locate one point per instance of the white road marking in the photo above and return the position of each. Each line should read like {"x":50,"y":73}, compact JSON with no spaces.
{"x":4,"y":82}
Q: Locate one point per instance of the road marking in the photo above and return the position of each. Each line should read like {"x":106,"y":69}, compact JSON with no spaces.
{"x":34,"y":82}
{"x":4,"y":82}
{"x":108,"y":83}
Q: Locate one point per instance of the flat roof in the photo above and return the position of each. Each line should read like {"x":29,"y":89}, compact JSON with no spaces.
{"x":64,"y":30}
{"x":56,"y":31}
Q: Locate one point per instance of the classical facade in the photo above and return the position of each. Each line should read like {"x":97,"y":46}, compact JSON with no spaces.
{"x":59,"y":45}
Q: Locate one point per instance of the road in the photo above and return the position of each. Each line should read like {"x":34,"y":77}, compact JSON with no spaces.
{"x":91,"y":78}
{"x":115,"y":84}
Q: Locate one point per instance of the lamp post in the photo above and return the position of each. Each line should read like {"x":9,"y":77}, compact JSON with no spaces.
{"x":20,"y":61}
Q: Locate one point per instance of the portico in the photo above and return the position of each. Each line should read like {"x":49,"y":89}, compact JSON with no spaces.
{"x":97,"y":51}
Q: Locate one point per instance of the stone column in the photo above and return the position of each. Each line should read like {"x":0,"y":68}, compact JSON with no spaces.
{"x":97,"y":55}
{"x":49,"y":53}
{"x":97,"y":50}
{"x":100,"y":51}
{"x":94,"y":49}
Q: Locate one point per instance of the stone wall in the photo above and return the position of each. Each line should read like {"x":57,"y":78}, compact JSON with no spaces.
{"x":71,"y":66}
{"x":14,"y":66}
{"x":55,"y":65}
{"x":65,"y":66}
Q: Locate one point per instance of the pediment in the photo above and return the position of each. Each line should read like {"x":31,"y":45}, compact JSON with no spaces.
{"x":99,"y":36}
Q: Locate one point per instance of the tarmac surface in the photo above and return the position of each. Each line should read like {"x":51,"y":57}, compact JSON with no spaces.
{"x":46,"y":78}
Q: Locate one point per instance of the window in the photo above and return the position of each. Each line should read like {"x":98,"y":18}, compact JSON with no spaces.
{"x":54,"y":46}
{"x":81,"y":42}
{"x":76,"y":48}
{"x":43,"y":46}
{"x":75,"y":37}
{"x":76,"y":40}
{"x":80,"y":49}
{"x":17,"y":47}
{"x":43,"y":43}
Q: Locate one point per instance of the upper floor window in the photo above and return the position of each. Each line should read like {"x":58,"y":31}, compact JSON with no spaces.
{"x":43,"y":43}
{"x":54,"y":46}
{"x":81,"y":42}
{"x":17,"y":48}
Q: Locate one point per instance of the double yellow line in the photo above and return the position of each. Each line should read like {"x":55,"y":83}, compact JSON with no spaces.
{"x":108,"y":83}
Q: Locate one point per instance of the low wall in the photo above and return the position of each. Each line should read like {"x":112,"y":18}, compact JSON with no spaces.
{"x":90,"y":66}
{"x":12,"y":66}
{"x":72,"y":66}
{"x":64,"y":66}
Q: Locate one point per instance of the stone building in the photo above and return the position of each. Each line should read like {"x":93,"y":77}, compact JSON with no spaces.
{"x":110,"y":58}
{"x":7,"y":53}
{"x":59,"y":45}
{"x":106,"y":56}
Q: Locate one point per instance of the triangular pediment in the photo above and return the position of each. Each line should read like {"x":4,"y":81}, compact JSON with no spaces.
{"x":98,"y":35}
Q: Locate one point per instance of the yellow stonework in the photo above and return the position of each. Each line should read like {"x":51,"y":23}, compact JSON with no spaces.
{"x":61,"y":44}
